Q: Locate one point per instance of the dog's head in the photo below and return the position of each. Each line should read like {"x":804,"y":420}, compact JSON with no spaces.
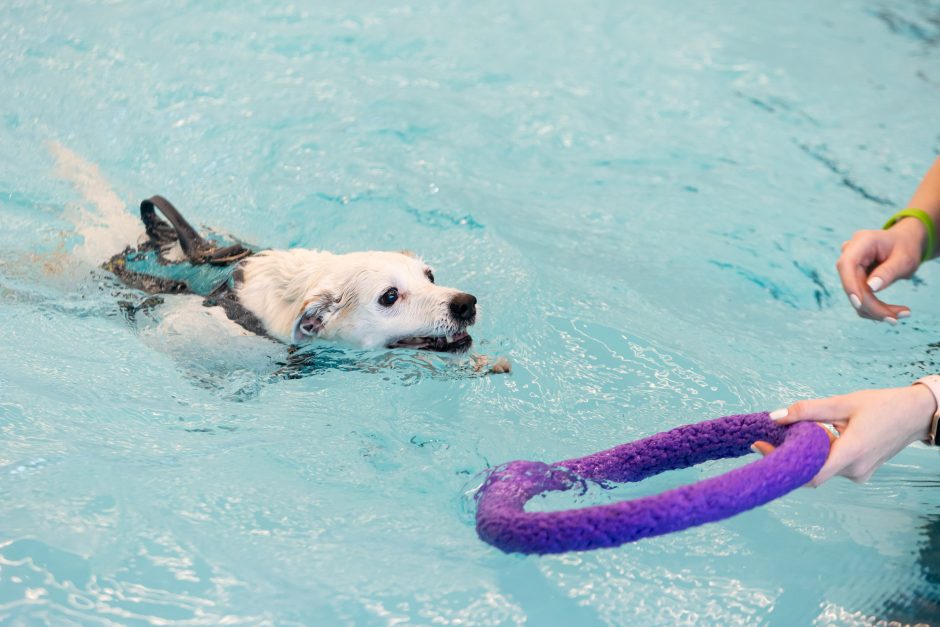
{"x":382,"y":299}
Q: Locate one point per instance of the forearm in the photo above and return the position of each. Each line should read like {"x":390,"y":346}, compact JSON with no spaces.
{"x":927,"y":196}
{"x":927,"y":199}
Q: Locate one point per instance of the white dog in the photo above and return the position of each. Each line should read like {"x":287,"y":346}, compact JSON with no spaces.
{"x":369,"y":299}
{"x":366,"y":299}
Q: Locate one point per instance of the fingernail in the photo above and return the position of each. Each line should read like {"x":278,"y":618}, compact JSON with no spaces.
{"x":779,"y":414}
{"x":875,"y":283}
{"x":891,"y":321}
{"x":904,"y":314}
{"x":855,"y":301}
{"x":754,"y":449}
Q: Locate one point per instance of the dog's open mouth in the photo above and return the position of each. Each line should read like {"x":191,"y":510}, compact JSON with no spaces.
{"x":457,"y":342}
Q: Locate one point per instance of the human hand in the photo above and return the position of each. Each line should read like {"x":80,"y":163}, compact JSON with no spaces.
{"x":874,"y":426}
{"x":873,"y":260}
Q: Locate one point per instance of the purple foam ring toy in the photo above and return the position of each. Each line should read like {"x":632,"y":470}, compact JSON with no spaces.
{"x":503,"y":522}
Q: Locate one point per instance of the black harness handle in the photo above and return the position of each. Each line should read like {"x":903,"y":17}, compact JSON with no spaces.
{"x":197,"y":249}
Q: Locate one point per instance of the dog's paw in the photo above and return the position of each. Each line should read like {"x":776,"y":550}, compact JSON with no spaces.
{"x":481,"y":363}
{"x":501,"y":366}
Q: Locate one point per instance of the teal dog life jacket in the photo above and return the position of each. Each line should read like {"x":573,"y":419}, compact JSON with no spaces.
{"x":209,"y":267}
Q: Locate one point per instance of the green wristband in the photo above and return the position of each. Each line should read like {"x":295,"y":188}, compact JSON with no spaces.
{"x":910,"y":212}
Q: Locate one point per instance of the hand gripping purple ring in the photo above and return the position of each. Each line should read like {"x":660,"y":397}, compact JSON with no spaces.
{"x":502,"y":521}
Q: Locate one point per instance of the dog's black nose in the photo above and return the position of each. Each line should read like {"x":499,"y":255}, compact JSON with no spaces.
{"x":463,"y":307}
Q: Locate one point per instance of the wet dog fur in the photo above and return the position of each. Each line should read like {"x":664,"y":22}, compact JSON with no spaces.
{"x":364,"y":299}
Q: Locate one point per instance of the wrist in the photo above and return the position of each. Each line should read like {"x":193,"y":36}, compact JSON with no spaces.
{"x":927,"y":399}
{"x":914,"y":233}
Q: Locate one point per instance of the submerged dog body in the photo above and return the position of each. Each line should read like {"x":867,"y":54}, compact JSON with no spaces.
{"x":366,"y":299}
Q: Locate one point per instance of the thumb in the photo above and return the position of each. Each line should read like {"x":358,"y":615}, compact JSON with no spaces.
{"x":766,"y":448}
{"x":763,"y":448}
{"x":818,"y":410}
{"x":893,"y":268}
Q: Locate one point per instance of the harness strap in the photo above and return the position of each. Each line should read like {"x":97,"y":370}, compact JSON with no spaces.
{"x":197,"y":249}
{"x":225,"y":297}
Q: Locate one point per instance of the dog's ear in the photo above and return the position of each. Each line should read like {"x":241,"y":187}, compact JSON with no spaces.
{"x":313,"y":317}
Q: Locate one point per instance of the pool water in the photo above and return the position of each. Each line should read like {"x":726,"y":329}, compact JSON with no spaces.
{"x":647,"y":199}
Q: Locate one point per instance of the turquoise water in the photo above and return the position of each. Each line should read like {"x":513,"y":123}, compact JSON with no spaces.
{"x":648,"y":200}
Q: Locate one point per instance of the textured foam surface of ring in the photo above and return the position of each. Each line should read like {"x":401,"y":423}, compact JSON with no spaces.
{"x":503,"y":522}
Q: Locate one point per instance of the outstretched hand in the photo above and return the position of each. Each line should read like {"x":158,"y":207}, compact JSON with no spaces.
{"x":874,"y":425}
{"x":873,"y":260}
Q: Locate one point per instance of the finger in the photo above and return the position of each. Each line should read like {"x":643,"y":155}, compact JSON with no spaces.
{"x":861,"y":252}
{"x":847,"y":457}
{"x":832,"y":409}
{"x":766,"y":448}
{"x":763,"y":448}
{"x":856,"y":253}
{"x":871,"y":307}
{"x":842,"y":453}
{"x":894,"y":267}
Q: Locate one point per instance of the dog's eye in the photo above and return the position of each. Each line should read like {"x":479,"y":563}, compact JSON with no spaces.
{"x":429,"y":274}
{"x":389,"y":297}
